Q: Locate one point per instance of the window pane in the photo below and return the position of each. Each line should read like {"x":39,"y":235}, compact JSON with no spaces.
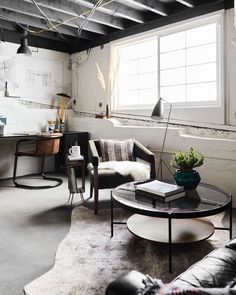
{"x":148,"y":48}
{"x":202,"y":92}
{"x":173,"y":93}
{"x":128,"y":83}
{"x":128,"y":97}
{"x":172,"y":77}
{"x":129,"y":68}
{"x":172,"y":59}
{"x":172,"y":42}
{"x":129,"y":52}
{"x":148,"y":65}
{"x":148,"y":96}
{"x":201,"y":73}
{"x":201,"y":54}
{"x":148,"y":80}
{"x":201,"y":35}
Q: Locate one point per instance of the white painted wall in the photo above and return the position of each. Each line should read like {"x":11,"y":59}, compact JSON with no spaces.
{"x":28,"y":117}
{"x":37,"y":77}
{"x":86,"y":88}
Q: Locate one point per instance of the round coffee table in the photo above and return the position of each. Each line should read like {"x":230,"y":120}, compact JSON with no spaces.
{"x":166,"y":222}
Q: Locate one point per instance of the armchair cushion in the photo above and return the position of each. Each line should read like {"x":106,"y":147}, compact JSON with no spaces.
{"x":137,"y":170}
{"x":117,"y":150}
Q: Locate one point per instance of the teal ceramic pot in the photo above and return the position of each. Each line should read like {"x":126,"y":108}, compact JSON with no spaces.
{"x":187,"y":179}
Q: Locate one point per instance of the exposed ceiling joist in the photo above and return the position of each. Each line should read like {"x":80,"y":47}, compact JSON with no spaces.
{"x":11,"y":16}
{"x":83,"y":24}
{"x":151,"y":5}
{"x":74,"y":10}
{"x":29,"y":9}
{"x":115,"y":9}
{"x":189,"y":3}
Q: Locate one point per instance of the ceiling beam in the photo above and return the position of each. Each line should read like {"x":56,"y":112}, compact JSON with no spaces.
{"x":151,"y":5}
{"x":160,"y":22}
{"x":188,"y":3}
{"x":115,"y":9}
{"x":76,"y":10}
{"x":56,"y":17}
{"x":229,"y":4}
{"x":14,"y":17}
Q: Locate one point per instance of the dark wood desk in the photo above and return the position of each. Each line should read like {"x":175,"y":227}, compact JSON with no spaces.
{"x":28,"y":135}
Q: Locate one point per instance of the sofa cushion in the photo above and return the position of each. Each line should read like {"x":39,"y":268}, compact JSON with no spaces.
{"x":156,"y":287}
{"x":217,"y":270}
{"x":116,"y":150}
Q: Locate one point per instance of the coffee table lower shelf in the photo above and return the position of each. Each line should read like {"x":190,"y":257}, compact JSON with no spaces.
{"x":183,"y":230}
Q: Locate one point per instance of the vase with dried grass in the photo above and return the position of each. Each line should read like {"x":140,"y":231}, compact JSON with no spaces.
{"x":109,"y":84}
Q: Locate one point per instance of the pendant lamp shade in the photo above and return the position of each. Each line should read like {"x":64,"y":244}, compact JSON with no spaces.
{"x":24,"y":48}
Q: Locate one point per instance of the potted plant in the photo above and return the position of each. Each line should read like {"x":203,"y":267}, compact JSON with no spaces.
{"x":185,"y":175}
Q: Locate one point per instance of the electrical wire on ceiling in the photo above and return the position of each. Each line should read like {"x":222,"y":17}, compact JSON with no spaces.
{"x":91,"y":13}
{"x":41,"y":11}
{"x":59,"y":24}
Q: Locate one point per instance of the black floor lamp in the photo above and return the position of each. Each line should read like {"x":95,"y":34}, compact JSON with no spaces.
{"x":157,"y":114}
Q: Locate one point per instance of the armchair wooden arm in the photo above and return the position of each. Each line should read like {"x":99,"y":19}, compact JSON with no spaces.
{"x":94,"y":156}
{"x":140,"y":151}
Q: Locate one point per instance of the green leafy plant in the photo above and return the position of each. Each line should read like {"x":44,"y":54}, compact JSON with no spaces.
{"x":186,"y":161}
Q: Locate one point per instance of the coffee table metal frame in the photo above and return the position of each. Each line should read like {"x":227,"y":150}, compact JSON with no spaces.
{"x":173,"y":215}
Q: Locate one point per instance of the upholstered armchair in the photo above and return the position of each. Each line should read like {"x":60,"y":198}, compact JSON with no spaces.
{"x":109,"y":167}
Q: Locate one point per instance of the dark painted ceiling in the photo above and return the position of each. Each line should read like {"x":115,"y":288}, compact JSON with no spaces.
{"x":76,"y":25}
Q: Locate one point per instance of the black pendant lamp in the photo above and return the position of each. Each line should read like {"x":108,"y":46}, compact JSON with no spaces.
{"x":24,"y":48}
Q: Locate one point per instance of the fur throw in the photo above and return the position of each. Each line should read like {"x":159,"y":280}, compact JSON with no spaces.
{"x":139,"y":171}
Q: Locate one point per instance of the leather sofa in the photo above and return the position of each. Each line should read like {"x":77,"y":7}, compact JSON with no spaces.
{"x":214,"y":274}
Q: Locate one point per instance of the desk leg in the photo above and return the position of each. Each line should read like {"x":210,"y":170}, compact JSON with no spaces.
{"x":170,"y":243}
{"x":111,"y":215}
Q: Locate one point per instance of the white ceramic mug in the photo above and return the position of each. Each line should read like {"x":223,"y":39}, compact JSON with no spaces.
{"x":74,"y":151}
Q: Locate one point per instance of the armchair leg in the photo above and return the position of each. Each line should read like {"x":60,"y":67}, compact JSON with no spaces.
{"x":95,"y":200}
{"x":95,"y":186}
{"x":91,"y":190}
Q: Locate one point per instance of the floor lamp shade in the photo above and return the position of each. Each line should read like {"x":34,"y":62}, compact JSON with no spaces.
{"x":157,"y":112}
{"x":24,"y":48}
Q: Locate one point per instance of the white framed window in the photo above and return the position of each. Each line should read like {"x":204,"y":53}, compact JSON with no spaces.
{"x":188,"y":66}
{"x":137,"y":76}
{"x":182,"y":64}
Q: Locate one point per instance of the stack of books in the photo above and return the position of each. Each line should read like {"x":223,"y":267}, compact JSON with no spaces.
{"x":159,"y":190}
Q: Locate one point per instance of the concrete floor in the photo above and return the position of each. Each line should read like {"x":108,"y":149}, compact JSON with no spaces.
{"x":32,"y":224}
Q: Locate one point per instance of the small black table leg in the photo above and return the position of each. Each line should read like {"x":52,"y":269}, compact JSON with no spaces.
{"x":230,"y":221}
{"x":170,"y":243}
{"x":111,"y":215}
